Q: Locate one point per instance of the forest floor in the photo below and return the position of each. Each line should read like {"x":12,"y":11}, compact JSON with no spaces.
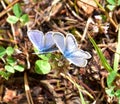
{"x":65,"y":83}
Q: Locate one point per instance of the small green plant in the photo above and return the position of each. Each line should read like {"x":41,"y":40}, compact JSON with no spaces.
{"x":18,"y":15}
{"x":112,"y":4}
{"x":111,"y":88}
{"x":43,"y":66}
{"x":10,"y":64}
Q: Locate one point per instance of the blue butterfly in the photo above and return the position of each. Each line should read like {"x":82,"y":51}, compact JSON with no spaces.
{"x":69,"y":48}
{"x":44,"y":43}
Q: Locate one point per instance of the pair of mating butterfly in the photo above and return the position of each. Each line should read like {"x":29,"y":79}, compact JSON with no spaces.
{"x":53,"y":41}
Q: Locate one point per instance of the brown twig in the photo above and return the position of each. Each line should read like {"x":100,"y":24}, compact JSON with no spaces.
{"x":27,"y":90}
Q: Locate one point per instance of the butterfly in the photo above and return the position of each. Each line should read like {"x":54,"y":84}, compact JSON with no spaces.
{"x":69,"y":48}
{"x":44,"y":43}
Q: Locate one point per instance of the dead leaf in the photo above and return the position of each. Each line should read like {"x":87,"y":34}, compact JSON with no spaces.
{"x":87,"y":5}
{"x":9,"y":95}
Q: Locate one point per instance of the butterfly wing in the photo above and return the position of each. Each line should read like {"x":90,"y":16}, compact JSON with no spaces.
{"x":73,"y":54}
{"x":81,"y":54}
{"x":69,"y":49}
{"x":37,"y":38}
{"x":71,"y":43}
{"x":59,"y":39}
{"x":49,"y":44}
{"x":79,"y":58}
{"x":80,"y":62}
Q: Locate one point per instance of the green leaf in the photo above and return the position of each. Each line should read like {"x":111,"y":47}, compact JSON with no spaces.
{"x":11,"y":61}
{"x":117,"y":93}
{"x":19,"y":68}
{"x":45,"y":56}
{"x":36,"y":51}
{"x":12,"y":19}
{"x":17,"y":10}
{"x":111,"y":78}
{"x":111,"y":7}
{"x":5,"y":74}
{"x":104,"y":17}
{"x":9,"y":51}
{"x":2,"y":51}
{"x":9,"y":69}
{"x":118,"y":2}
{"x":110,"y":91}
{"x":42,"y":67}
{"x":24,"y":18}
{"x":82,"y":98}
{"x":102,"y":58}
{"x":112,"y":2}
{"x":117,"y":56}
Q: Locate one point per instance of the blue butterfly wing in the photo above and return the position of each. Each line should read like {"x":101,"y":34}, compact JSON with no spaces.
{"x":37,"y":38}
{"x":69,"y":48}
{"x":73,"y":54}
{"x":71,"y":43}
{"x":81,"y":54}
{"x":80,"y":62}
{"x":49,"y":44}
{"x":59,"y":40}
{"x":79,"y":58}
